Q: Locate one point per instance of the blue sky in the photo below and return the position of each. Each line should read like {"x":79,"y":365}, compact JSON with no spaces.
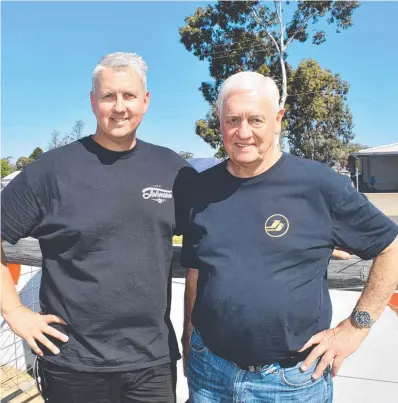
{"x":49,"y":50}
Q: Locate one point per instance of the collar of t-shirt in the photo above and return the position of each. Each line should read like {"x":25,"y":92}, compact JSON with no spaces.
{"x":258,"y":178}
{"x":106,"y":155}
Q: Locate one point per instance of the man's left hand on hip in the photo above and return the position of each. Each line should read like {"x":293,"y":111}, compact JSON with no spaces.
{"x":333,"y":346}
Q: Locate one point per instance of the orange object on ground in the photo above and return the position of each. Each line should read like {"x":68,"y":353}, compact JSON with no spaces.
{"x":394,"y":301}
{"x":15,"y":270}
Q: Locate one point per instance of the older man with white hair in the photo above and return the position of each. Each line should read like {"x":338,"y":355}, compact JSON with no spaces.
{"x":104,"y":210}
{"x":263,"y":225}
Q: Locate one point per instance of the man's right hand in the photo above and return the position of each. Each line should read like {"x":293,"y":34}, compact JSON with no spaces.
{"x":186,"y":337}
{"x":189,"y":302}
{"x":33,"y":327}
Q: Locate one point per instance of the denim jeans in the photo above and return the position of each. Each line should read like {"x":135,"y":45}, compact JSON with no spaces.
{"x":212,"y":379}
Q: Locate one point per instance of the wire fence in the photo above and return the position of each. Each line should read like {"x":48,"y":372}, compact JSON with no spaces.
{"x":16,"y":358}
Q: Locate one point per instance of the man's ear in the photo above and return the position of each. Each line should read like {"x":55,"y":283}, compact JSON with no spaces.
{"x":280,"y":115}
{"x":147,"y":99}
{"x":92,"y":100}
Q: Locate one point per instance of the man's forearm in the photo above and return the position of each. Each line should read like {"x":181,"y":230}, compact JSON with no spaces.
{"x":382,"y":281}
{"x":189,"y":298}
{"x":9,"y":296}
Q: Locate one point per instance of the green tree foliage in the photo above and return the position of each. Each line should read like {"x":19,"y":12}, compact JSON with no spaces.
{"x":243,"y":35}
{"x":22,"y":162}
{"x":36,"y":153}
{"x":6,"y":167}
{"x":318,"y":121}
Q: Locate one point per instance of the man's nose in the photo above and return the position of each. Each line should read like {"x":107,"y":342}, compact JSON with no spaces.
{"x":119,"y":106}
{"x":244,"y":131}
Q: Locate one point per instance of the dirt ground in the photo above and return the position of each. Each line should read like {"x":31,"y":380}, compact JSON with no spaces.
{"x":386,"y":202}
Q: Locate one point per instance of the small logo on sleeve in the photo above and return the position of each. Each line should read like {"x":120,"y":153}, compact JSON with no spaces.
{"x":157,"y":194}
{"x":276,"y":226}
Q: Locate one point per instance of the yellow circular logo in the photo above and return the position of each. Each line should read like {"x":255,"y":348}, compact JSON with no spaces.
{"x":277,"y":225}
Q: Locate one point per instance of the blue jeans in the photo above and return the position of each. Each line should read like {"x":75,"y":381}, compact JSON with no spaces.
{"x":212,"y":379}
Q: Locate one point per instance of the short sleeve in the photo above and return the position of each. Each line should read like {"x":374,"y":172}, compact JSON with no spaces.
{"x":359,"y":226}
{"x":186,"y":186}
{"x":20,"y":211}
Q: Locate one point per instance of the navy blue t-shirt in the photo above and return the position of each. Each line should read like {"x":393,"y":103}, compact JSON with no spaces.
{"x":262,"y":247}
{"x":104,"y":220}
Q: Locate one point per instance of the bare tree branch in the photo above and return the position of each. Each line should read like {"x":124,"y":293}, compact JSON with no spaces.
{"x":260,"y":22}
{"x":282,"y":28}
{"x":279,"y":12}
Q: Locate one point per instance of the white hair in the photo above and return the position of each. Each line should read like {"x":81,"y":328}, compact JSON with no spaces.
{"x":249,"y":81}
{"x":121,"y":60}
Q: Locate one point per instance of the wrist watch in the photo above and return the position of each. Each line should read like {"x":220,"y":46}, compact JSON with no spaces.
{"x":362,"y":319}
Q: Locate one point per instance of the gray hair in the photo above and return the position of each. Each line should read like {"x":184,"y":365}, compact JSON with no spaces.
{"x":121,"y":60}
{"x":249,"y":81}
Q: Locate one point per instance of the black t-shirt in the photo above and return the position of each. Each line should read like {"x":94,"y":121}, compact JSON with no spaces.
{"x":104,"y":221}
{"x":262,"y":247}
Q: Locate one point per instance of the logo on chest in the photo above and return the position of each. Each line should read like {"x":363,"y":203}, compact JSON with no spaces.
{"x":157,"y":194}
{"x":276,"y":226}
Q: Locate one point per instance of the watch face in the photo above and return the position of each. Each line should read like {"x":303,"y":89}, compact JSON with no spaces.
{"x":362,"y":318}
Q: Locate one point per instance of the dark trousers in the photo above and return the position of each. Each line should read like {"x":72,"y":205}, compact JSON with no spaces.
{"x":152,"y":385}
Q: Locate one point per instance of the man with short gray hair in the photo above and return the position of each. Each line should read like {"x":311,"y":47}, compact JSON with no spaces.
{"x":263,"y":225}
{"x":104,"y":209}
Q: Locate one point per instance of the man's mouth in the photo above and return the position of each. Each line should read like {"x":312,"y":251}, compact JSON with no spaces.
{"x":241,"y":145}
{"x":118,"y":120}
